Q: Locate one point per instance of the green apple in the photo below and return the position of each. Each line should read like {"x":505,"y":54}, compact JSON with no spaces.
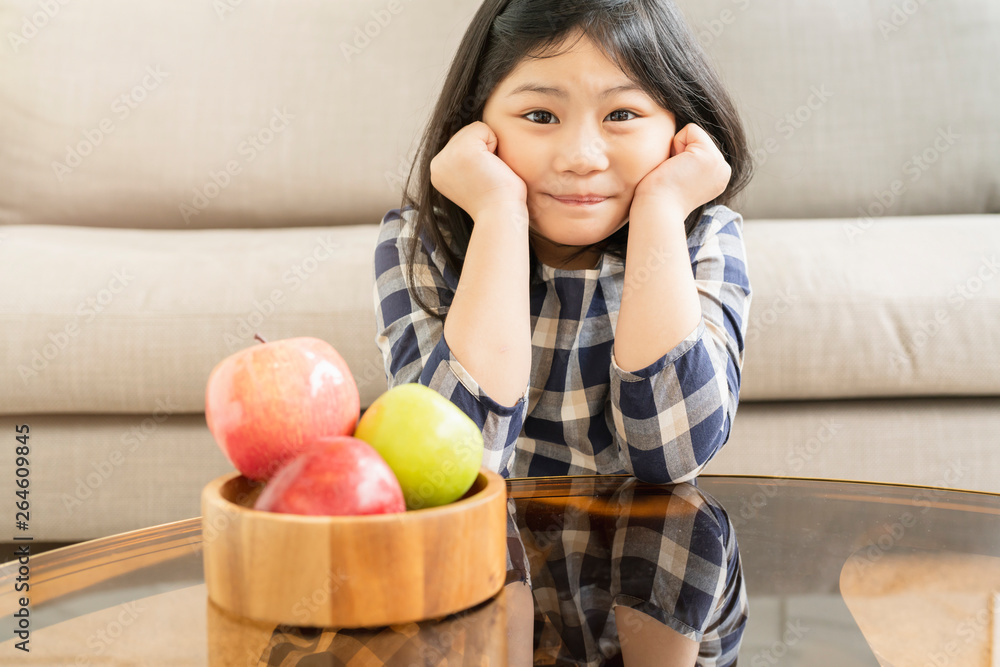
{"x":433,"y":447}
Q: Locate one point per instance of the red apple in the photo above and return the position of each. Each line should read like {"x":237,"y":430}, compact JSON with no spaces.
{"x":337,"y":476}
{"x":268,"y":403}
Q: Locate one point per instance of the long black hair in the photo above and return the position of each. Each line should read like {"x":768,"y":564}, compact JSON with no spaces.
{"x":650,"y":42}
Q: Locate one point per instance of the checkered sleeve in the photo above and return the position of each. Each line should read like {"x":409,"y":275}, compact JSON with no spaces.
{"x":518,"y":567}
{"x":413,"y":345}
{"x":670,"y":418}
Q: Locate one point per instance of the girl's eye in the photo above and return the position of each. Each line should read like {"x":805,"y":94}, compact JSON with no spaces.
{"x":544,"y":114}
{"x":546,"y":117}
{"x":620,"y":111}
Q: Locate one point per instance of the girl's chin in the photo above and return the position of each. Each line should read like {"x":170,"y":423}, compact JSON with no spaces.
{"x":576,"y":232}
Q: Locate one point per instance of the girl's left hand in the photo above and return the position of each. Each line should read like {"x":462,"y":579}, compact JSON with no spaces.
{"x":694,"y":173}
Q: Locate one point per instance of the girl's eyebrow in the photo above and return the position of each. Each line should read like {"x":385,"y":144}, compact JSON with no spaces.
{"x":532,"y":87}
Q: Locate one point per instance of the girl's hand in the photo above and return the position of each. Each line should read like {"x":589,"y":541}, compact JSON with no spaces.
{"x":694,"y":173}
{"x":468,"y":172}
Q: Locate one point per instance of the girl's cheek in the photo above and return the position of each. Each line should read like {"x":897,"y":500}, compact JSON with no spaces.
{"x":520,"y":164}
{"x":636,"y":173}
{"x":508,"y":152}
{"x":636,"y":159}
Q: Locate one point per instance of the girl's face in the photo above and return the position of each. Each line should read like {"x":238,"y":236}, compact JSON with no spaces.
{"x":574,"y":126}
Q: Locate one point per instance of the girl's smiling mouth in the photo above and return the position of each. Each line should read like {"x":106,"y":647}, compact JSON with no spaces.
{"x":580,"y":200}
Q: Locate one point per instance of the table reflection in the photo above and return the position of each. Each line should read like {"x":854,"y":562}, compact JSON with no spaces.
{"x":476,"y":636}
{"x":584,"y":546}
{"x":668,"y":551}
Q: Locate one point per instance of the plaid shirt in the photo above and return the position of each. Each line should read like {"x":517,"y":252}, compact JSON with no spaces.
{"x":581,"y":413}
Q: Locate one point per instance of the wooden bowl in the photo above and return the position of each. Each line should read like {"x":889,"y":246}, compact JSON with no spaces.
{"x":352,"y":571}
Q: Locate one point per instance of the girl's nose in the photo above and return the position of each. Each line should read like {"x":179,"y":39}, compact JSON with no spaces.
{"x":582,"y":150}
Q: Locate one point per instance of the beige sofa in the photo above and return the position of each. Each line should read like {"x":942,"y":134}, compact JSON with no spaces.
{"x":177,"y":176}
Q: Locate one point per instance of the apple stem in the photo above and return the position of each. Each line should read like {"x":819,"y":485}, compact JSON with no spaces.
{"x":257,"y":336}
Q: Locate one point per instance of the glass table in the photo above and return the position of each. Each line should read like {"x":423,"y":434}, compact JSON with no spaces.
{"x":837,"y":573}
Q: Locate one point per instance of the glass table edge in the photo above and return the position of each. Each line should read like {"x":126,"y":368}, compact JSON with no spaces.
{"x":186,"y":533}
{"x":783,"y":478}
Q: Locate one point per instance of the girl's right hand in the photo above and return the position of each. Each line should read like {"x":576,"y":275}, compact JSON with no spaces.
{"x":468,"y":172}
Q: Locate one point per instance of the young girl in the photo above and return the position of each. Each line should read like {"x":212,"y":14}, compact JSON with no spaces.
{"x":564,"y":267}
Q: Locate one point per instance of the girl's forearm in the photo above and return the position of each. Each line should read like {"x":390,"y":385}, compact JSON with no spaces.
{"x":520,"y":624}
{"x":488,"y":326}
{"x":660,"y":306}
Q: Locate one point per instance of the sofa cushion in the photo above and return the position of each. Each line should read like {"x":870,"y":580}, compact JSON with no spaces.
{"x":844,"y":308}
{"x":862,"y":108}
{"x":940,"y":442}
{"x":179,"y":115}
{"x":131,"y":321}
{"x":132,"y":114}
